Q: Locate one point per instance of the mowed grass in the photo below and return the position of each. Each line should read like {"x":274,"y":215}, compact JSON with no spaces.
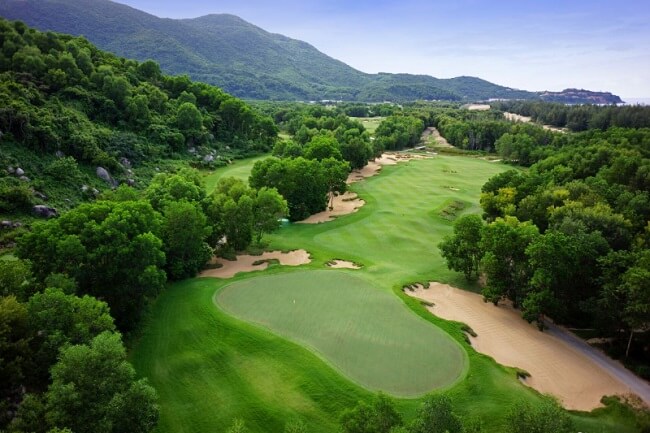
{"x":370,"y":123}
{"x":211,"y":368}
{"x":240,"y":168}
{"x":369,"y":335}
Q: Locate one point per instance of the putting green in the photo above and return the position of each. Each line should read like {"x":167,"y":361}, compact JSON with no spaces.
{"x":367,"y":334}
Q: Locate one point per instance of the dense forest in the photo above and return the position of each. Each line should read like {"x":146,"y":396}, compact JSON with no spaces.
{"x":569,"y":238}
{"x":77,"y":122}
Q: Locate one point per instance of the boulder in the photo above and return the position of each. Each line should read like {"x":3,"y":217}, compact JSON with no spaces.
{"x":44,"y":211}
{"x":6,"y":224}
{"x":11,"y":170}
{"x":17,"y":224}
{"x":40,"y":195}
{"x":19,"y":172}
{"x":59,"y":154}
{"x":125,"y":162}
{"x":24,"y":178}
{"x":208,"y":158}
{"x":104,"y":175}
{"x":130,"y":182}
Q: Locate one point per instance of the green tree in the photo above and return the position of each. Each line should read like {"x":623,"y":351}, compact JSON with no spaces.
{"x":184,"y":234}
{"x":505,"y":262}
{"x":378,"y":417}
{"x":322,"y":147}
{"x":544,"y":417}
{"x":462,"y":250}
{"x":58,"y":320}
{"x":94,"y":390}
{"x":268,"y":208}
{"x":436,"y":416}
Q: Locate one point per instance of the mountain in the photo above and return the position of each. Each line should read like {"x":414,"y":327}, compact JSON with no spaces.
{"x":239,"y":57}
{"x":580,"y":96}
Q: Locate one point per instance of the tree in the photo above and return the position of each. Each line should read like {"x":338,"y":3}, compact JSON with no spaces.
{"x":15,"y":353}
{"x":436,"y":416}
{"x":268,"y":208}
{"x":184,"y":185}
{"x":13,"y":278}
{"x":463,"y":250}
{"x":59,"y":320}
{"x":379,"y":417}
{"x":189,"y":119}
{"x":184,"y":234}
{"x":505,"y":262}
{"x":544,"y":417}
{"x":635,"y":290}
{"x":94,"y":390}
{"x":335,"y":173}
{"x":322,"y":147}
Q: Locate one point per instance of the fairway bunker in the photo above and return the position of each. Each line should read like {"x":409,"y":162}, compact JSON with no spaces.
{"x":342,"y":264}
{"x":342,"y":204}
{"x":249,"y":263}
{"x":367,"y":334}
{"x":555,"y":368}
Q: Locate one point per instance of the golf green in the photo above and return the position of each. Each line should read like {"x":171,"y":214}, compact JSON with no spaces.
{"x":368,"y":334}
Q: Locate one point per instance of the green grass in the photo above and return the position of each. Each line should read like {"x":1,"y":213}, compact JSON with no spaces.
{"x":365,"y":333}
{"x":370,"y":123}
{"x":210,"y":367}
{"x":240,"y":168}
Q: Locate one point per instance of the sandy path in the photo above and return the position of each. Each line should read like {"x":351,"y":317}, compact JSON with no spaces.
{"x":478,"y":107}
{"x":556,"y":367}
{"x":343,"y":264}
{"x":432,"y":134}
{"x":245,"y":263}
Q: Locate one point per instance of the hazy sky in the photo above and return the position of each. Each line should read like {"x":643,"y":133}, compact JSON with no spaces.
{"x":526,"y":44}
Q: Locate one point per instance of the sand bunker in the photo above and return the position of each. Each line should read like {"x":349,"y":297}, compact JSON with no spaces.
{"x":343,"y":204}
{"x":555,"y":367}
{"x":342,"y":264}
{"x":374,"y":167}
{"x":248,"y":263}
{"x":513,"y":117}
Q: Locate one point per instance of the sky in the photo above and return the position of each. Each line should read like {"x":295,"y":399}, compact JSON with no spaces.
{"x":600,"y":45}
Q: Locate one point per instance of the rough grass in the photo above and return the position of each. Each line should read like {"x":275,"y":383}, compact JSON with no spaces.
{"x":240,"y":168}
{"x":210,"y":368}
{"x":370,"y":123}
{"x":365,"y":333}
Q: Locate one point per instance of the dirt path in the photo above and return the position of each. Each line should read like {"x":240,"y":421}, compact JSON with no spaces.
{"x":556,"y":367}
{"x":513,"y":117}
{"x":248,"y":263}
{"x":431,"y":134}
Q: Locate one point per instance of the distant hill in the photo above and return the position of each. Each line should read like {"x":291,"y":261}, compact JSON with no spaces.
{"x":239,"y":57}
{"x":580,"y":96}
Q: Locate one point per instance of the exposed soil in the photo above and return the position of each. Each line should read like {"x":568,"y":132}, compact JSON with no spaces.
{"x":478,"y":107}
{"x":555,"y":367}
{"x":248,"y":263}
{"x":431,"y":134}
{"x":513,"y":117}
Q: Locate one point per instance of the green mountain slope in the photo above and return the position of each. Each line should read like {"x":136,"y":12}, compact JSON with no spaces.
{"x":250,"y":62}
{"x":243,"y":59}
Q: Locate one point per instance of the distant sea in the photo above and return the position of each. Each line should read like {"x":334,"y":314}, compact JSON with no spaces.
{"x":636,"y":101}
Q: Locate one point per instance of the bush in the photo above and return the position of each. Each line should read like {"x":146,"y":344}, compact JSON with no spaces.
{"x":15,"y":195}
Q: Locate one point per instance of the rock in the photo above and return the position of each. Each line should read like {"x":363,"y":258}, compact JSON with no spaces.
{"x":19,"y":172}
{"x":24,"y":178}
{"x":40,"y":195}
{"x":6,"y":224}
{"x":130,"y":182}
{"x":44,"y":211}
{"x":17,"y":224}
{"x":84,"y":188}
{"x":95,"y":191}
{"x":104,"y":175}
{"x":157,"y":168}
{"x":11,"y":170}
{"x":125,"y":162}
{"x":59,"y":154}
{"x":208,"y":158}
{"x":192,"y":150}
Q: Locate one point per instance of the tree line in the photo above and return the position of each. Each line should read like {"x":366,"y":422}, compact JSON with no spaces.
{"x":569,"y":239}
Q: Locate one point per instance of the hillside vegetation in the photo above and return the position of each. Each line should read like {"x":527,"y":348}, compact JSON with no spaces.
{"x":243,"y":59}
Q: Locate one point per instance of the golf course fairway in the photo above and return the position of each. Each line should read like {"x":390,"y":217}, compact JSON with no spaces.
{"x":365,"y":333}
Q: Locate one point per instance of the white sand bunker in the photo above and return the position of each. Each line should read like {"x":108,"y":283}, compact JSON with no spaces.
{"x":478,"y":107}
{"x":374,"y":167}
{"x":248,"y":263}
{"x":554,"y":366}
{"x":342,"y":264}
{"x":343,"y":204}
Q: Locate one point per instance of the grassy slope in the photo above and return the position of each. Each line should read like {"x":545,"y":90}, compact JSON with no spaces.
{"x":363,"y":332}
{"x":210,"y":368}
{"x":240,"y":168}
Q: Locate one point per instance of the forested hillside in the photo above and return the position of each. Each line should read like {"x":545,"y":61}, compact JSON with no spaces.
{"x":239,"y":57}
